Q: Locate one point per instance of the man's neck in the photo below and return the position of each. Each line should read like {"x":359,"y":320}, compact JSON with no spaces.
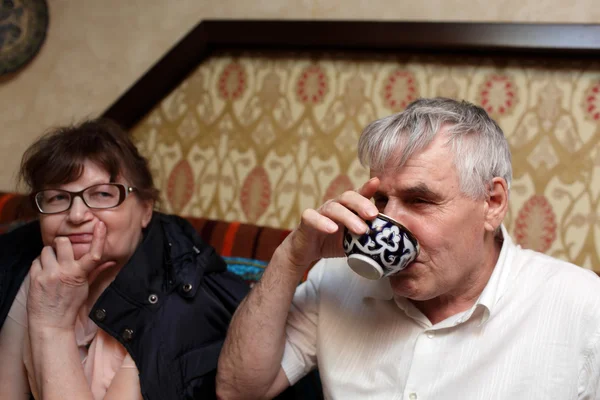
{"x":465,"y":296}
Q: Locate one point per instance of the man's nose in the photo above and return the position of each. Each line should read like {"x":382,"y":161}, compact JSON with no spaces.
{"x":79,"y":211}
{"x":395,"y":210}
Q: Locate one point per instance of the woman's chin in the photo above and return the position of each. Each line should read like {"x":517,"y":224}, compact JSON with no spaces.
{"x":99,"y":270}
{"x":80,"y":249}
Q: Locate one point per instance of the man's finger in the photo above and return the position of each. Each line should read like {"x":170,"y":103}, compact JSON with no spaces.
{"x":316,"y":220}
{"x":91,"y":260}
{"x":369,"y":188}
{"x":341,"y":214}
{"x":365,"y":209}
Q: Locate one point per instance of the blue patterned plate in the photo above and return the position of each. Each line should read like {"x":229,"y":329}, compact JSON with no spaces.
{"x":23,"y":25}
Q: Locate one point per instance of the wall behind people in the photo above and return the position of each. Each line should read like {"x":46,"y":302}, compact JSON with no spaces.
{"x":96,"y":49}
{"x":256,"y":138}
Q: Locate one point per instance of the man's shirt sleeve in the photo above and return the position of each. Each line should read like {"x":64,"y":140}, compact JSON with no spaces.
{"x":300,"y":354}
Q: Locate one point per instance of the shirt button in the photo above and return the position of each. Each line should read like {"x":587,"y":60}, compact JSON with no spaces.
{"x":412,"y":396}
{"x":100,"y":314}
{"x":127,"y":335}
{"x":430,"y":335}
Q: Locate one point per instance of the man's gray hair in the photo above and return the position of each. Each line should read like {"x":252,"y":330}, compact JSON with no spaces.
{"x":481,"y":151}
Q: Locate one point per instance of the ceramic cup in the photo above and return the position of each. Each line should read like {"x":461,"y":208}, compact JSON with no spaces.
{"x":386,"y":249}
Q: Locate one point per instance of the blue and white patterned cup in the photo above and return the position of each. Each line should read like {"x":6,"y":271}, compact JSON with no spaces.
{"x":386,"y":249}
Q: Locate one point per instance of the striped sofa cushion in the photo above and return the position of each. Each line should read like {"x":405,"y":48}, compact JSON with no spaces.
{"x":235,"y":239}
{"x":246,"y":248}
{"x":14,"y":206}
{"x":15,"y":210}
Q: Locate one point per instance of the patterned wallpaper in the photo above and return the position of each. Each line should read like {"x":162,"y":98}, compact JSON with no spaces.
{"x":258,"y":137}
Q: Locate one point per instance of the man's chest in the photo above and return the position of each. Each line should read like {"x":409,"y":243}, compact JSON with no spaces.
{"x":378,"y":352}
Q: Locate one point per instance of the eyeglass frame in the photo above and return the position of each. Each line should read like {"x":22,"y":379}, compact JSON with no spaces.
{"x":124,"y":191}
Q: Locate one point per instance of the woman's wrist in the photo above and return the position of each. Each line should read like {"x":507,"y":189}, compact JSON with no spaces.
{"x":50,"y":333}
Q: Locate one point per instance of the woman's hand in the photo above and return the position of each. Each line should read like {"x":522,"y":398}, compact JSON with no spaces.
{"x":59,"y":283}
{"x":320,"y":232}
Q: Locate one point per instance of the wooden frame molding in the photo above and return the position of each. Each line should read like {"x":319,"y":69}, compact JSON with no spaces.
{"x":529,"y":40}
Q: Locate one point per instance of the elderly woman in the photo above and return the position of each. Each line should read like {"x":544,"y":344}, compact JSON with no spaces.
{"x":120,"y":302}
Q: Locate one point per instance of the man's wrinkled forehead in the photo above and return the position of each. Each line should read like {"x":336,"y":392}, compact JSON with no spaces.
{"x":416,"y":190}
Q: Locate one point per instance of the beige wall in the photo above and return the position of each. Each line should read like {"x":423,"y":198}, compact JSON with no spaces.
{"x":96,"y":49}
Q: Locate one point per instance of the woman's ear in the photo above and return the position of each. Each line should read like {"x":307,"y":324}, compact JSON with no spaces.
{"x":496,"y":205}
{"x":147,"y":213}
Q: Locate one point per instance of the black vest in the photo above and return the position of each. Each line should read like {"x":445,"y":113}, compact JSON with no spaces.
{"x":170,"y":305}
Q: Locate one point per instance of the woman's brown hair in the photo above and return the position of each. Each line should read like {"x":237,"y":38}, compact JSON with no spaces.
{"x":58,"y":157}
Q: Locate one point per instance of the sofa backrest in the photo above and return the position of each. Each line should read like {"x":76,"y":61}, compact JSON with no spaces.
{"x":14,"y":209}
{"x":246,"y":248}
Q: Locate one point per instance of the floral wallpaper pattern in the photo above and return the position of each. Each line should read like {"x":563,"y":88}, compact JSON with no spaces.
{"x":259,"y":137}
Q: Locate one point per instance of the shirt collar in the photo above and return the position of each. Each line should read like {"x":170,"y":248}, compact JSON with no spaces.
{"x":492,"y":293}
{"x":496,"y":286}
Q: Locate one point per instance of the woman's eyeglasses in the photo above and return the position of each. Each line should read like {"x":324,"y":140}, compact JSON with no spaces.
{"x":102,"y":196}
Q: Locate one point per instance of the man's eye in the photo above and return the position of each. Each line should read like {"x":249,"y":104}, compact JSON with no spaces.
{"x":418,"y":201}
{"x":380,"y":201}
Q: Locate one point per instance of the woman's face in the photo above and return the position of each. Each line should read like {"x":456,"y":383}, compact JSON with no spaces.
{"x":124,"y":223}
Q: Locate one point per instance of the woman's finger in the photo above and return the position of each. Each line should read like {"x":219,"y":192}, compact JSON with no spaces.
{"x":64,"y":250}
{"x":35,"y":269}
{"x":48,"y":261}
{"x":91,"y":260}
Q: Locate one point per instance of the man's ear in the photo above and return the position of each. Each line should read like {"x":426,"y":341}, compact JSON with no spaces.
{"x":148,"y":209}
{"x":496,"y":205}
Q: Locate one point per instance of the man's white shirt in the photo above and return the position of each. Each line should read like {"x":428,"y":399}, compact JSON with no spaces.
{"x":534,"y":333}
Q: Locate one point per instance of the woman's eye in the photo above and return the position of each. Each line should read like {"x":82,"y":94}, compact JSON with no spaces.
{"x":56,"y":198}
{"x":101,"y":195}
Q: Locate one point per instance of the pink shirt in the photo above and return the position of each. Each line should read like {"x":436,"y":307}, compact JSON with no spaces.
{"x":101,"y":355}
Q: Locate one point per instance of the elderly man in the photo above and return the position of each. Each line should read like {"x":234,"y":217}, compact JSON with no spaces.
{"x":473,"y":317}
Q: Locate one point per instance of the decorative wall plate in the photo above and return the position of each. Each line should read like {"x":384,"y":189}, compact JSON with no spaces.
{"x":23,"y":25}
